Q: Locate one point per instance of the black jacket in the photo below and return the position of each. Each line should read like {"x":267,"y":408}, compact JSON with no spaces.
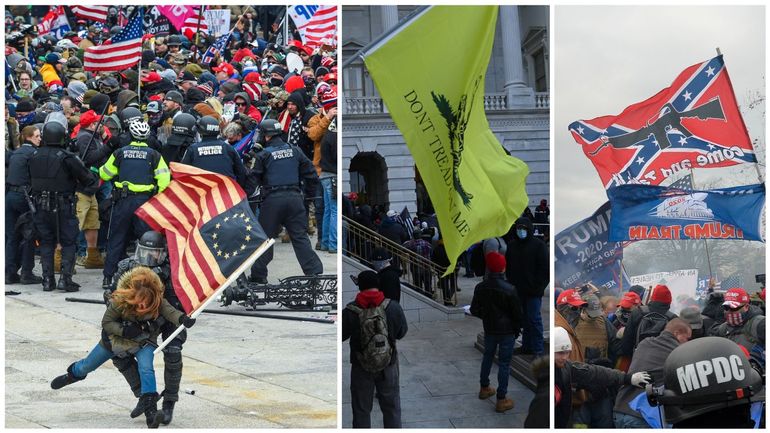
{"x":391,"y":229}
{"x":650,"y":357}
{"x":629,"y":335}
{"x":583,"y":376}
{"x":351,"y":328}
{"x":527,"y":263}
{"x":390,"y":282}
{"x":495,"y":301}
{"x":98,"y":152}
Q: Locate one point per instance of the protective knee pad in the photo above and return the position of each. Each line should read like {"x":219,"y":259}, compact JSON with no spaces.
{"x":130,"y":370}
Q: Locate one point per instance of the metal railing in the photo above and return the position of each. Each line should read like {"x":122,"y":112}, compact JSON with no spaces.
{"x":492,"y":102}
{"x":418,"y":273}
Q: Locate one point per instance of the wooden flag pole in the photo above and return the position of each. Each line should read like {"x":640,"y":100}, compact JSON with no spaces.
{"x":234,"y":276}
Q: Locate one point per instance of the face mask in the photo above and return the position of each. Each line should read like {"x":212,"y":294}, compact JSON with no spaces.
{"x":521,"y":233}
{"x":734,"y":318}
{"x":276,"y":82}
{"x":623,"y":316}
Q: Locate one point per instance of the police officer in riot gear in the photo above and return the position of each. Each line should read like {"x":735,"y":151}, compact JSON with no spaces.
{"x":213,"y":154}
{"x":281,"y":170}
{"x":709,"y":382}
{"x":138,"y":173}
{"x":182,"y":136}
{"x":151,"y":252}
{"x":54,"y":174}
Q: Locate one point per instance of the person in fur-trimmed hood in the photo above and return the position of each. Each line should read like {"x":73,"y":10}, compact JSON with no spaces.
{"x":130,"y":327}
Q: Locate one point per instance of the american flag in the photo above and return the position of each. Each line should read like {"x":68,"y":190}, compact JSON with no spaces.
{"x":210,"y":229}
{"x":734,"y":280}
{"x":695,"y":120}
{"x":191,"y":20}
{"x":94,"y":13}
{"x":321,"y":29}
{"x":122,"y":51}
{"x":216,"y":48}
{"x":405,"y":219}
{"x":685,"y":182}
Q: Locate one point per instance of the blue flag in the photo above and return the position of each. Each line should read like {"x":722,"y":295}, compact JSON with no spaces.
{"x":584,"y":254}
{"x":642,"y":212}
{"x":245,"y":145}
{"x":216,"y":48}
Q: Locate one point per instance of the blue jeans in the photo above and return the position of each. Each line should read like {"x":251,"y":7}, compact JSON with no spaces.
{"x":532,"y":335}
{"x":99,"y":355}
{"x":491,"y":342}
{"x":330,"y":216}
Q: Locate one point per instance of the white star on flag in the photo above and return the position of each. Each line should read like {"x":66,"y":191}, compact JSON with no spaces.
{"x":687,"y":95}
{"x":710,"y":71}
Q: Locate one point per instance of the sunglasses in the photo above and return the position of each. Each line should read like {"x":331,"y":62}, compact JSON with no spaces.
{"x":728,"y":308}
{"x":241,"y":104}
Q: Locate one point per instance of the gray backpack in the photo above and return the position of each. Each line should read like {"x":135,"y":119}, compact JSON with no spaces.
{"x":376,"y":348}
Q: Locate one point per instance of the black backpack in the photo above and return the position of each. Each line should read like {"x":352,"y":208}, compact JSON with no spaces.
{"x":651,"y":324}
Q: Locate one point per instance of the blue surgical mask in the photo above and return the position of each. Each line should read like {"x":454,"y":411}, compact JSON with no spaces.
{"x":521,"y":233}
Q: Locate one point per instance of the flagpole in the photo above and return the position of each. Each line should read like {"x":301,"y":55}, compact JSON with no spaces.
{"x":234,"y":276}
{"x":10,"y":76}
{"x":705,"y":243}
{"x":198,"y":29}
{"x":286,"y":27}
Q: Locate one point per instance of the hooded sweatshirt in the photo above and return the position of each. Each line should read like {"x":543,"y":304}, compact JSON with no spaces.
{"x":251,"y":110}
{"x":528,"y":264}
{"x":297,"y":135}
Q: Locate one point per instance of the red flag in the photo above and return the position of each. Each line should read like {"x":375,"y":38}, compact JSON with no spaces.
{"x":695,"y":123}
{"x":94,"y":13}
{"x":209,"y":227}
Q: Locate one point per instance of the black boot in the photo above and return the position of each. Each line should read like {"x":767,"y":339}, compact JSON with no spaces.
{"x":168,"y":411}
{"x":49,"y":284}
{"x":107,"y":283}
{"x":139,"y":409}
{"x":150,"y":403}
{"x":30,"y":279}
{"x":12,"y":278}
{"x":66,"y":284}
{"x":65,"y":379}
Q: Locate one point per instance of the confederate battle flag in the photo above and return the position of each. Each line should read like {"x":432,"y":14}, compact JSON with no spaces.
{"x":694,"y":123}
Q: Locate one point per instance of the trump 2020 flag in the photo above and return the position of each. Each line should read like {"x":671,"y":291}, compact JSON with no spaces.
{"x":209,"y":227}
{"x":584,"y":254}
{"x":694,"y":123}
{"x":437,"y":102}
{"x":642,"y":212}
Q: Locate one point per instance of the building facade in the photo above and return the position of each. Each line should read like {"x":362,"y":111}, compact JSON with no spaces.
{"x":376,"y":162}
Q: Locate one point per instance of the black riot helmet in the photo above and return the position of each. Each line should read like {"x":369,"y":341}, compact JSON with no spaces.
{"x":270,"y":127}
{"x":54,"y":134}
{"x":208,"y":126}
{"x":708,"y":379}
{"x":184,"y":125}
{"x":151,"y":249}
{"x":128,"y":115}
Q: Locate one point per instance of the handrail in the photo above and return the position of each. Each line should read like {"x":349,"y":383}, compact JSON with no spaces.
{"x":418,"y":273}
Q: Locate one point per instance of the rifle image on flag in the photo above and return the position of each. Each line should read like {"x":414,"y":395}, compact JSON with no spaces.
{"x":669,"y":121}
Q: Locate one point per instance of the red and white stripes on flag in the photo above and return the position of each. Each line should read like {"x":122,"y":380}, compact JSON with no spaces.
{"x":95,"y":13}
{"x":320,"y":29}
{"x":191,"y":21}
{"x":122,"y":51}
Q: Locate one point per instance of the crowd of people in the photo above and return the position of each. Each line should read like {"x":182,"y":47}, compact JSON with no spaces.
{"x":631,"y":362}
{"x":85,"y":149}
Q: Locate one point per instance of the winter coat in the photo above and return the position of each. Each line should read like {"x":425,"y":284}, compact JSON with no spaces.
{"x":749,"y":334}
{"x":317,"y":126}
{"x":578,"y":375}
{"x":251,"y":110}
{"x":629,"y":335}
{"x":124,"y":98}
{"x":328,"y":162}
{"x":527,"y":263}
{"x":393,"y":230}
{"x":495,"y":301}
{"x":649,"y":356}
{"x":390,"y":282}
{"x":296,"y":134}
{"x":50,"y":76}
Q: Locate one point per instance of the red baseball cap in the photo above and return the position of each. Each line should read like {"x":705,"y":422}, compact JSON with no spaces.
{"x":152,"y":77}
{"x":88,"y":118}
{"x":630,"y":300}
{"x":253,"y":77}
{"x":736,"y":297}
{"x":571,"y":297}
{"x":224,"y":67}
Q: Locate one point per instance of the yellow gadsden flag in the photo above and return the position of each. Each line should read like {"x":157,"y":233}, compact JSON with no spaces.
{"x":430,"y":74}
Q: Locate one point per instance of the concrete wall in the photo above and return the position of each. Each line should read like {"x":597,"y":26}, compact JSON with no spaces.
{"x":417,"y":307}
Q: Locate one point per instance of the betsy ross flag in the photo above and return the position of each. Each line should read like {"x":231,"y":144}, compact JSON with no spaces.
{"x":317,"y":25}
{"x":209,"y":227}
{"x":120,"y":52}
{"x":695,"y":123}
{"x":93,"y":13}
{"x":216,"y":48}
{"x":476,"y":188}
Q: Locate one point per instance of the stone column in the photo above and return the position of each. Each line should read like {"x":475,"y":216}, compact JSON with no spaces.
{"x":389,"y":17}
{"x":519,"y":94}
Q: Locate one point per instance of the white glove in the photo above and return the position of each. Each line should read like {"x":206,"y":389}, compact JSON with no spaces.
{"x":641,"y":379}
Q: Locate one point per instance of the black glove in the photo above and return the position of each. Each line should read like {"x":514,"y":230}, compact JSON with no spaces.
{"x":132,"y":330}
{"x":187,"y":321}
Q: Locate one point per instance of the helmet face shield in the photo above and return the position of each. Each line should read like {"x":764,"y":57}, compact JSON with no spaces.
{"x":149,"y":256}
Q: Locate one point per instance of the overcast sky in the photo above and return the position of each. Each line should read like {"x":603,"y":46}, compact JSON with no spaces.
{"x":607,"y":58}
